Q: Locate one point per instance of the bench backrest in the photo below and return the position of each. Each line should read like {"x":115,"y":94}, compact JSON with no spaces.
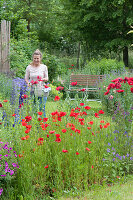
{"x":86,"y":80}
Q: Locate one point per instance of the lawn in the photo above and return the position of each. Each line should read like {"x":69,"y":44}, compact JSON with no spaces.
{"x":118,"y":191}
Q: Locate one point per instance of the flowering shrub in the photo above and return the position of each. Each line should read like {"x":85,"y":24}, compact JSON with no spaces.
{"x":118,"y":98}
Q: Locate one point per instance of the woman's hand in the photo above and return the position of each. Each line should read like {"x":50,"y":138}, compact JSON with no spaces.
{"x":45,"y":79}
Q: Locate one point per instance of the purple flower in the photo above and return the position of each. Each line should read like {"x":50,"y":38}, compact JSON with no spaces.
{"x":124,"y":157}
{"x":1,"y":190}
{"x":3,"y":175}
{"x":12,"y":172}
{"x":131,"y":158}
{"x":113,"y":153}
{"x":104,"y":159}
{"x":14,"y":165}
{"x":113,"y":159}
{"x":108,"y":150}
{"x":127,"y":155}
{"x":109,"y":144}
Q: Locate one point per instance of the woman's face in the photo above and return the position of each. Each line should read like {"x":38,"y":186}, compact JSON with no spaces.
{"x":36,"y":59}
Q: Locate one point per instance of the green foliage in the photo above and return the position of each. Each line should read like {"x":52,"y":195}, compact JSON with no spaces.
{"x":21,"y":55}
{"x":54,"y":92}
{"x":103,"y":66}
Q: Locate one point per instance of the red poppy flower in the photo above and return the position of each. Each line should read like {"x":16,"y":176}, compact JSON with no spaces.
{"x":14,"y":115}
{"x":77,"y":131}
{"x":45,"y":119}
{"x":27,"y":130}
{"x":77,"y":108}
{"x":74,"y":83}
{"x":87,"y":149}
{"x":89,"y":128}
{"x":82,"y":90}
{"x":108,"y":124}
{"x":28,"y":126}
{"x":92,"y":166}
{"x":25,"y":96}
{"x":81,"y":104}
{"x":77,"y":153}
{"x":87,"y":107}
{"x":93,"y":134}
{"x":89,"y":142}
{"x":35,"y":82}
{"x":105,"y":126}
{"x":100,"y":126}
{"x":5,"y":100}
{"x":106,"y":92}
{"x":120,"y":91}
{"x":1,"y":105}
{"x":82,"y":123}
{"x":130,"y":82}
{"x":46,"y":166}
{"x":73,"y":128}
{"x":97,"y":115}
{"x":46,"y":125}
{"x":58,"y":140}
{"x":28,"y":118}
{"x":72,"y":65}
{"x":57,"y":135}
{"x":131,"y":89}
{"x":20,"y":155}
{"x":46,"y":86}
{"x":57,"y":98}
{"x":39,"y":119}
{"x":91,"y":122}
{"x":63,"y":130}
{"x":101,"y":112}
{"x":102,"y":121}
{"x":47,"y":136}
{"x":40,"y":139}
{"x":51,"y":132}
{"x":65,"y":151}
{"x":40,"y":113}
{"x":24,"y":124}
{"x":59,"y":88}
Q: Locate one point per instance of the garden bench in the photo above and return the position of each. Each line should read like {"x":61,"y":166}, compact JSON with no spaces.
{"x":88,"y":82}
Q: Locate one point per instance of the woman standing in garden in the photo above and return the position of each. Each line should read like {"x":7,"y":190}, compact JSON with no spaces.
{"x":36,"y":75}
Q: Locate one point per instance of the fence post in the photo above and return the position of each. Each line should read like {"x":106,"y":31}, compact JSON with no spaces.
{"x":4,"y":46}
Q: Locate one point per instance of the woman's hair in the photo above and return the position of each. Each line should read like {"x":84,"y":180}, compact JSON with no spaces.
{"x":36,"y":52}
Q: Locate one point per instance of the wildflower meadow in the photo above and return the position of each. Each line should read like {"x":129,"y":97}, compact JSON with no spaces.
{"x":78,"y":144}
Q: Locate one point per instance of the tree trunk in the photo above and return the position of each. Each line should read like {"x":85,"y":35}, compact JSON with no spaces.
{"x":125,"y":56}
{"x":78,"y":56}
{"x":28,"y":26}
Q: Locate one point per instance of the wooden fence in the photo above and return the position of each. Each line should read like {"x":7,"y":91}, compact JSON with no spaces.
{"x":4,"y":46}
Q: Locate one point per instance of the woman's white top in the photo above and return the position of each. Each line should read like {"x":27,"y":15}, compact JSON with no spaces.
{"x":33,"y":72}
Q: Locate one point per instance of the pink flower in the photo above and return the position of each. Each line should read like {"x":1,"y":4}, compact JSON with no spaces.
{"x":81,"y":104}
